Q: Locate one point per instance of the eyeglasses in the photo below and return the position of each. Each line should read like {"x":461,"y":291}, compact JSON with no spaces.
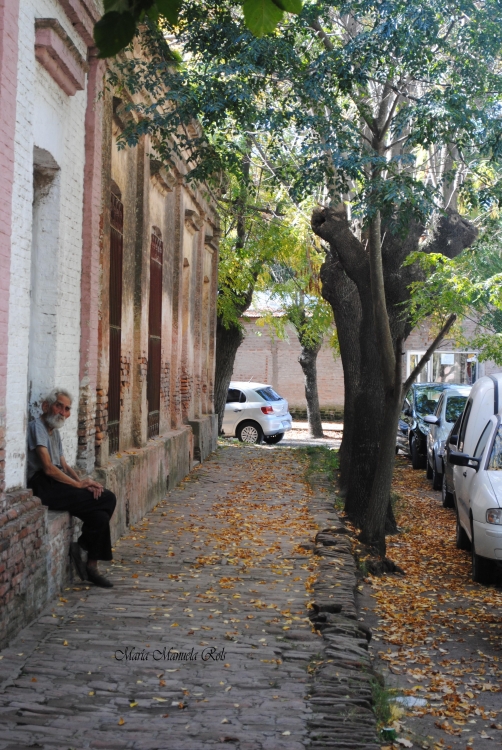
{"x":66,"y":409}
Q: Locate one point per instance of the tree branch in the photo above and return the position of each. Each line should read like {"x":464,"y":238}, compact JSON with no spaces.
{"x":271,"y":169}
{"x":316,"y":26}
{"x":388,"y":121}
{"x":428,"y":354}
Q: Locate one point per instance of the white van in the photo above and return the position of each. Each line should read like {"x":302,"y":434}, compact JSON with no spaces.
{"x":477,"y":477}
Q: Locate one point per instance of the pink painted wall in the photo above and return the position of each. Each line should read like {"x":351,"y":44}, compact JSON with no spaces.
{"x":9,"y":11}
{"x":91,"y":227}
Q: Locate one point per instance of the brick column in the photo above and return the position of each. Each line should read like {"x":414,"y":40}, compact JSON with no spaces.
{"x":198,"y":317}
{"x":9,"y":12}
{"x":177,"y":309}
{"x":90,"y":265}
{"x":212,"y":323}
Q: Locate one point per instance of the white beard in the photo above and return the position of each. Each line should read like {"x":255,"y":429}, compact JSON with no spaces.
{"x":55,"y":421}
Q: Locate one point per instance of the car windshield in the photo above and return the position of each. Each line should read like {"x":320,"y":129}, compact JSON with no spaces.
{"x":454,"y":407}
{"x":268,"y":394}
{"x":495,"y":462}
{"x":427,"y":398}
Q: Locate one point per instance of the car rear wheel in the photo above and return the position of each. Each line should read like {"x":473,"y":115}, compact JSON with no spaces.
{"x":273,"y":439}
{"x":250,"y":433}
{"x":437,"y":478}
{"x":446,"y":496}
{"x":461,"y":539}
{"x":481,"y":569}
{"x":417,"y":461}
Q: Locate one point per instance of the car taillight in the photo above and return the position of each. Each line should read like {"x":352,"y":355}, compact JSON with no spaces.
{"x":267,"y":409}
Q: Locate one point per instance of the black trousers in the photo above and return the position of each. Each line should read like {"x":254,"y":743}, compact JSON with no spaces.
{"x":95,"y":514}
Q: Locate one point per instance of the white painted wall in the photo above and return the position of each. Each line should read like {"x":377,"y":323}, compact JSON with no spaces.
{"x":47,"y":118}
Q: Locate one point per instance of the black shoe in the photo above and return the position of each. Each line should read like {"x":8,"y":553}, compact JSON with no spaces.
{"x":76,"y":556}
{"x":97,"y":579}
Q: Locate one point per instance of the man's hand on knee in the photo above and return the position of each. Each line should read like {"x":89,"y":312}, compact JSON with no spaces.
{"x":92,"y":486}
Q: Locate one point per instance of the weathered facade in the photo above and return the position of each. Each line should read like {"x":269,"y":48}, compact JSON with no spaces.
{"x":263,"y":357}
{"x":108,"y":268}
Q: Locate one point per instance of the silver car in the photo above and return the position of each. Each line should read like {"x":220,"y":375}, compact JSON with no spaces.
{"x":254,"y":412}
{"x":449,"y":407}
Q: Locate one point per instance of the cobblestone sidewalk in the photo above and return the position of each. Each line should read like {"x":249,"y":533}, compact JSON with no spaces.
{"x":204,"y":641}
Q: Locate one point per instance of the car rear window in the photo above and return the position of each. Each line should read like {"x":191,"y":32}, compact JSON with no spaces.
{"x":426,"y":399}
{"x":268,"y":394}
{"x":454,"y":407}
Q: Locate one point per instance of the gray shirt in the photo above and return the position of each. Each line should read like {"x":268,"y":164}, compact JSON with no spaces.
{"x":38,"y":435}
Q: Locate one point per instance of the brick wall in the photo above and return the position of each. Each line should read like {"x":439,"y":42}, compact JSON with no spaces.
{"x":58,"y":325}
{"x":9,"y":10}
{"x":38,"y":350}
{"x":53,"y":122}
{"x":90,"y":279}
{"x":264,"y":358}
{"x":34,"y":559}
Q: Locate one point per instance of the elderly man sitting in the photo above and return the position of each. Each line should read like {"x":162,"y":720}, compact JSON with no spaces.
{"x":60,"y":488}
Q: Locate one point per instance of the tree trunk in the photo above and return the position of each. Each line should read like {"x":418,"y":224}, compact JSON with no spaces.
{"x":228,"y":341}
{"x":371,"y":406}
{"x":341,"y":293}
{"x":376,"y":515}
{"x":308,"y":362}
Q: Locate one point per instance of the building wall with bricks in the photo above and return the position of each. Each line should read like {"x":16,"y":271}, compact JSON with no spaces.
{"x":262,"y":357}
{"x":44,"y":307}
{"x":9,"y":12}
{"x":60,"y":161}
{"x":43,"y":99}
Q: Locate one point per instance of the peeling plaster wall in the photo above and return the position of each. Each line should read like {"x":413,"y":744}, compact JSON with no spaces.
{"x":50,"y":120}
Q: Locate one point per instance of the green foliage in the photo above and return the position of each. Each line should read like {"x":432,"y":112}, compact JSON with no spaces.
{"x":382,"y":704}
{"x":262,"y":16}
{"x":469,"y":285}
{"x":383,"y":103}
{"x":115,"y":30}
{"x":292,"y":283}
{"x":257,"y":236}
{"x":239,"y":267}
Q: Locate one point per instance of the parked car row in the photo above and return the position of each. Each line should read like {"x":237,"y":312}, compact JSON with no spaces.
{"x":463,"y":456}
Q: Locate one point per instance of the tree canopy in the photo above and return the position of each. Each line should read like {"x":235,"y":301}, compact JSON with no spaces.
{"x":116,"y":29}
{"x":470,"y":286}
{"x":388,"y":112}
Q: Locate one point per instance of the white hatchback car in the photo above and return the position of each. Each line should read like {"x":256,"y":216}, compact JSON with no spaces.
{"x":477,"y":477}
{"x":255,"y":412}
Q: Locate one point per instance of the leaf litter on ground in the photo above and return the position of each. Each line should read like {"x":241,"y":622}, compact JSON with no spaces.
{"x":442,"y":632}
